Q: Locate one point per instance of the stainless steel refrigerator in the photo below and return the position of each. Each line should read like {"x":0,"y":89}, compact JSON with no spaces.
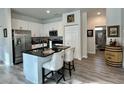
{"x":21,"y":41}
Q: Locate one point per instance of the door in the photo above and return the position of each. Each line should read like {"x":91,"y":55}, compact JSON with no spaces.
{"x":72,"y":38}
{"x":19,"y":45}
{"x":100,"y":39}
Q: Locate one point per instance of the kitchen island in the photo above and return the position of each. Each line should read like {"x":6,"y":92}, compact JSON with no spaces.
{"x":33,"y":61}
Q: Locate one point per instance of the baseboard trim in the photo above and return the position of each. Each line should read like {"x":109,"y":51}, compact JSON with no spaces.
{"x":91,"y":52}
{"x":85,"y":57}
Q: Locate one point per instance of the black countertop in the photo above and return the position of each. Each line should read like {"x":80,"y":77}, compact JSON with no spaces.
{"x":44,"y":52}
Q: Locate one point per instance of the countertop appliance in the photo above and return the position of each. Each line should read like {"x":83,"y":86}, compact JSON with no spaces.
{"x":21,"y":41}
{"x":53,"y":33}
{"x":56,"y":39}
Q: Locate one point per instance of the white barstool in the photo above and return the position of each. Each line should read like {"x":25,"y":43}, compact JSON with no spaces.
{"x":69,"y":59}
{"x":55,"y":66}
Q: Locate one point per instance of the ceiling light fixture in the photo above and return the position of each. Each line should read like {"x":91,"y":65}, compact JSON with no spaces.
{"x":98,"y":13}
{"x":48,"y":11}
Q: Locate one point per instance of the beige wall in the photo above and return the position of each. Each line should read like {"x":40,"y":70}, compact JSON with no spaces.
{"x":94,"y":20}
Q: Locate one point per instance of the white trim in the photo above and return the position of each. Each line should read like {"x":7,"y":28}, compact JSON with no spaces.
{"x":85,"y":57}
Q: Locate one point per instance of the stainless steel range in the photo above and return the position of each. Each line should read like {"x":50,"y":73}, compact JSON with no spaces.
{"x":21,"y":41}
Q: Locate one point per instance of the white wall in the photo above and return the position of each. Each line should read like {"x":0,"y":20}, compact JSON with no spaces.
{"x":84,"y":35}
{"x":36,"y":28}
{"x":114,"y":18}
{"x":1,"y":36}
{"x":122,"y":33}
{"x":6,"y":43}
{"x":122,"y":25}
{"x":53,"y":26}
{"x":94,"y":20}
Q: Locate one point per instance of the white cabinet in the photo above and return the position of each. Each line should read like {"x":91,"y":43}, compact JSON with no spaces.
{"x":19,"y":24}
{"x":72,"y":38}
{"x":53,"y":26}
{"x":72,"y":33}
{"x":32,"y":67}
{"x":75,"y":33}
{"x":35,"y":29}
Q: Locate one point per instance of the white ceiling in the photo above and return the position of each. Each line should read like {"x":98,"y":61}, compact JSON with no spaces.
{"x":40,"y":13}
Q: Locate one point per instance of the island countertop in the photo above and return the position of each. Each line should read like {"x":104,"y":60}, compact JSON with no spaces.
{"x":44,"y":52}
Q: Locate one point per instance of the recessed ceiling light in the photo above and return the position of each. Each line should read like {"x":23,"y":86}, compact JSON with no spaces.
{"x":48,"y":11}
{"x":98,"y":13}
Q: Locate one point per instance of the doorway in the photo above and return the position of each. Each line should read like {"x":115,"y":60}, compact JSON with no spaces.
{"x":100,"y":38}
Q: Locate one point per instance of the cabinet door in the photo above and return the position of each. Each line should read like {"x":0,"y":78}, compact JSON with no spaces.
{"x":68,"y":43}
{"x":68,"y":36}
{"x":19,"y":24}
{"x":72,"y":38}
{"x":35,"y":29}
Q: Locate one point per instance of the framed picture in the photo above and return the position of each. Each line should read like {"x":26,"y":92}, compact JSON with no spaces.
{"x":113,"y":31}
{"x":70,"y":18}
{"x":5,"y":32}
{"x":90,"y":33}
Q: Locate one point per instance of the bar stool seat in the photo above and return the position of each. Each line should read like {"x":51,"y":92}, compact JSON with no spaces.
{"x":55,"y":66}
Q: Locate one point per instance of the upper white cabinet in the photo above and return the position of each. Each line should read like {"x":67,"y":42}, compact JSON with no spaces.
{"x":53,"y":26}
{"x":19,"y":24}
{"x":35,"y":28}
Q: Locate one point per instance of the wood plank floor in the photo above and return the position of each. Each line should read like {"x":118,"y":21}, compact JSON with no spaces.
{"x":94,"y":70}
{"x":88,"y":71}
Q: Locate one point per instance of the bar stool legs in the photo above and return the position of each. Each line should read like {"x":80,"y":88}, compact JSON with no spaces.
{"x":73,"y":65}
{"x":70,"y":67}
{"x":56,"y":75}
{"x":43,"y":75}
{"x":63,"y":70}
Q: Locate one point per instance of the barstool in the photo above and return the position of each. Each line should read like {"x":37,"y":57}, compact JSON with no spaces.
{"x":69,"y":59}
{"x":55,"y":66}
